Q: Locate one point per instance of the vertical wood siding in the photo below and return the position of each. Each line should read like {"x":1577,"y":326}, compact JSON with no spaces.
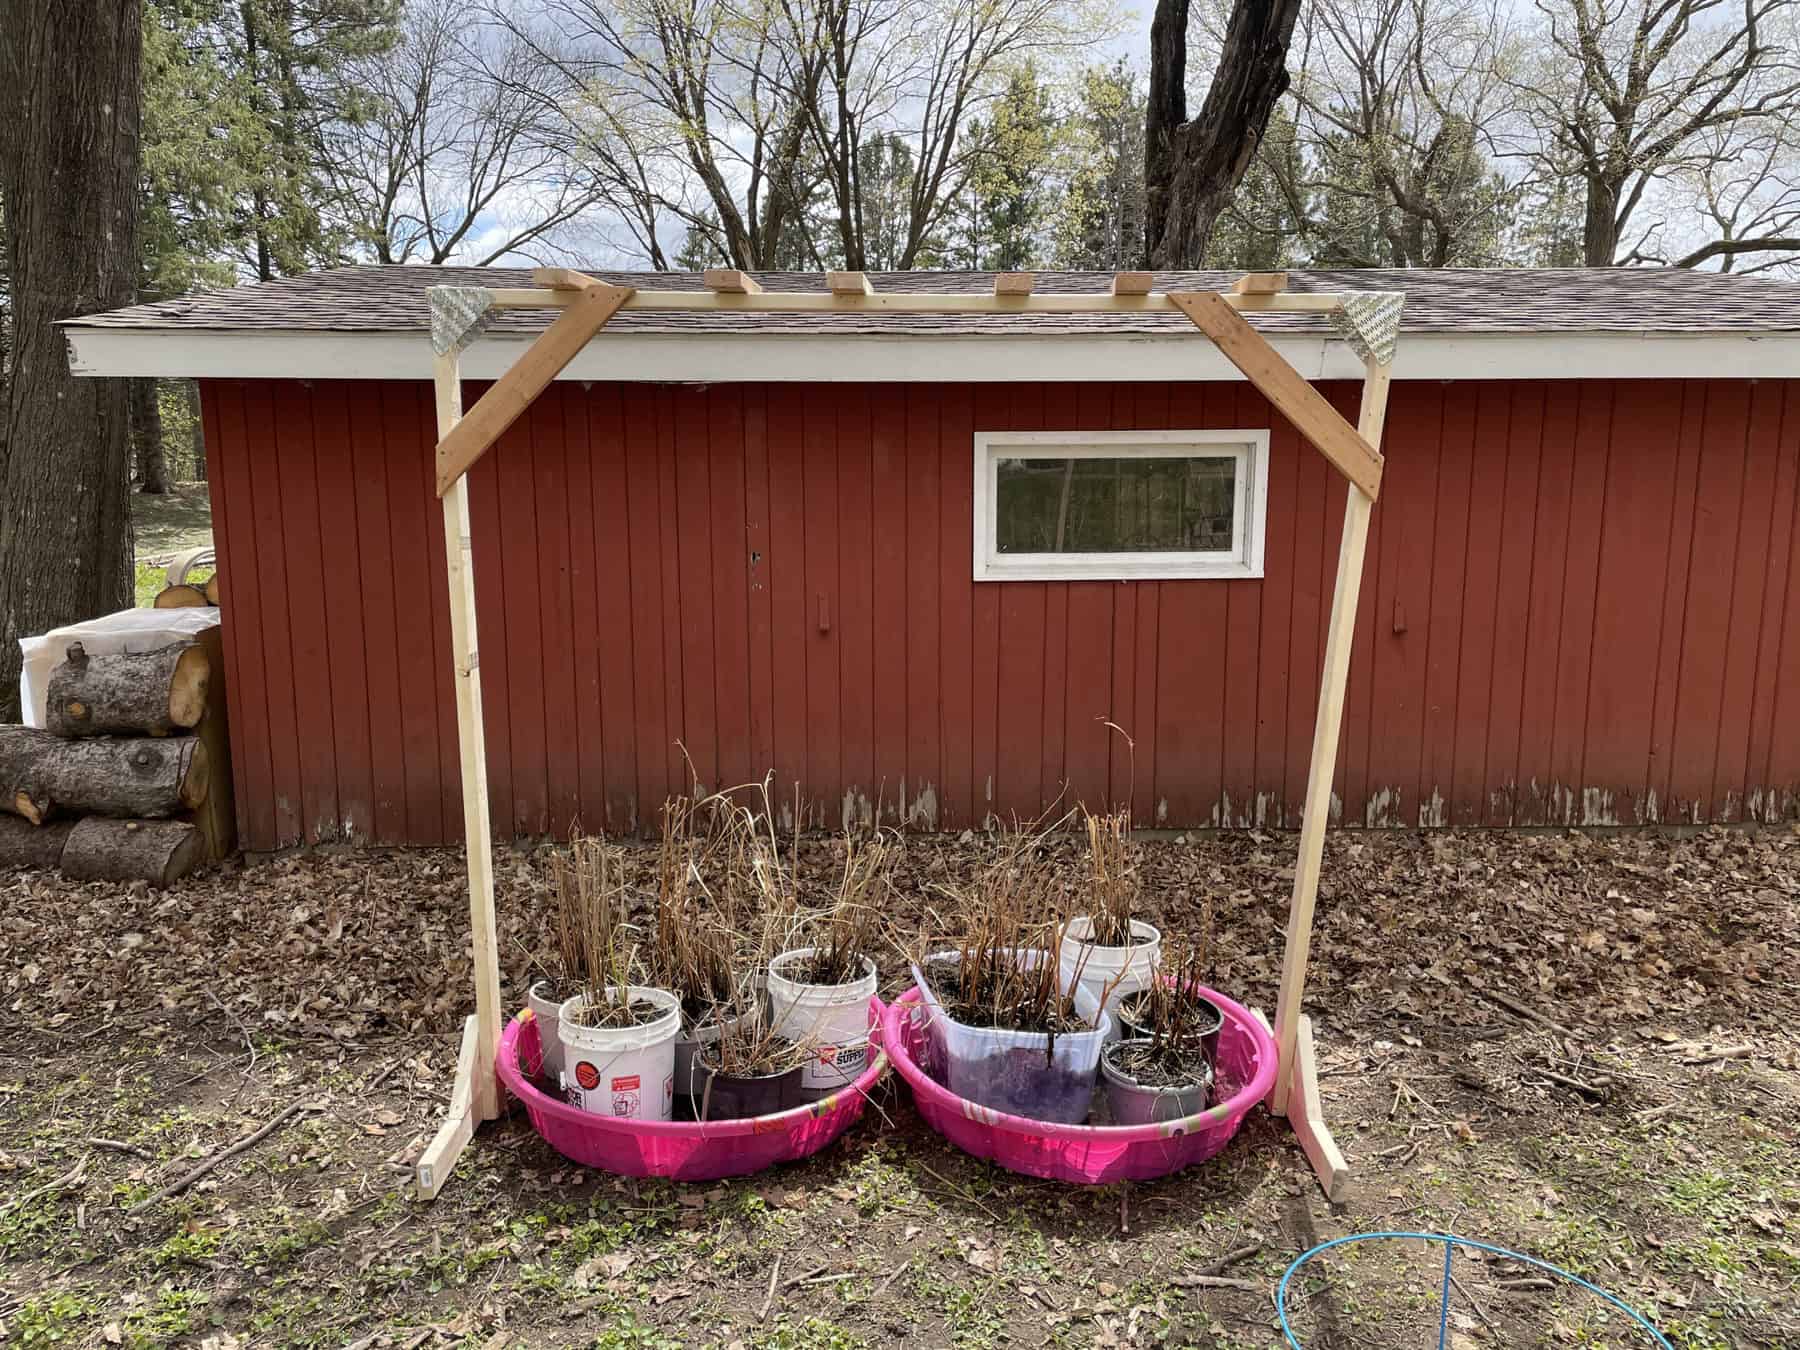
{"x":1582,"y":606}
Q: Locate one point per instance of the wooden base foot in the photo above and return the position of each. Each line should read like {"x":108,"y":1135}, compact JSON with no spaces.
{"x":1304,"y":1115}
{"x":465,"y":1113}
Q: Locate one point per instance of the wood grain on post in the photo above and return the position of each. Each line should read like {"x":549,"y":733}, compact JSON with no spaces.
{"x":128,"y":694}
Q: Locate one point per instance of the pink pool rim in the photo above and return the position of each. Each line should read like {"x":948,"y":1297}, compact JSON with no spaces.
{"x":683,"y":1150}
{"x":1089,"y":1155}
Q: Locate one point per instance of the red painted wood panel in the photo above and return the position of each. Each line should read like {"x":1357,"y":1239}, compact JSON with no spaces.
{"x":1581,"y":605}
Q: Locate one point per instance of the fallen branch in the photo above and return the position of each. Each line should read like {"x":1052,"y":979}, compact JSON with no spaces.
{"x":1592,"y":1091}
{"x":119,"y":1147}
{"x":177,"y":1187}
{"x":67,"y":1181}
{"x":769,"y":1301}
{"x":1214,"y":1282}
{"x":900,"y":1270}
{"x":1520,"y":1010}
{"x":1528,"y":1282}
{"x":1231,"y":1258}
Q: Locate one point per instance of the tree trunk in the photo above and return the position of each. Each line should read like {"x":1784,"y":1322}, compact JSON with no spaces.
{"x":147,"y":438}
{"x":1192,"y":169}
{"x":43,"y":775}
{"x":1600,"y":228}
{"x":23,"y":844}
{"x":139,"y":694}
{"x":160,"y":852}
{"x":69,"y":73}
{"x":197,"y":421}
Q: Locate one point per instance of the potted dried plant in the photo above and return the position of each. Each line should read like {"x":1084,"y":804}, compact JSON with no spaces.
{"x":820,"y":994}
{"x":746,"y":1069}
{"x":692,"y":951}
{"x":1167,"y":1072}
{"x":1109,"y":947}
{"x":1131,"y":1013}
{"x":618,"y":1037}
{"x":1005,"y":1029}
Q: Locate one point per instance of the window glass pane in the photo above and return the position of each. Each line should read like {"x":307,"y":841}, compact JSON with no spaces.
{"x":1140,"y":504}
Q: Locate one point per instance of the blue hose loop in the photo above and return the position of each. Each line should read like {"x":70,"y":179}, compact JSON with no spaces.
{"x":1451,"y":1243}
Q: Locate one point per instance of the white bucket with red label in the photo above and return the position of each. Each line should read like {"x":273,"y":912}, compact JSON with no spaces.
{"x":830,"y":1020}
{"x":626,"y":1072}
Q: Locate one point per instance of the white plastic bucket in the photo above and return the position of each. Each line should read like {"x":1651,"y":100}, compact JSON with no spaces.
{"x":548,"y":1012}
{"x":1110,"y":973}
{"x":830,"y":1020}
{"x":628,"y":1072}
{"x":1024,"y":1073}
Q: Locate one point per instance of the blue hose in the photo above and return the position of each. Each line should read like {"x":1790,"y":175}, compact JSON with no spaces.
{"x":1451,"y":1243}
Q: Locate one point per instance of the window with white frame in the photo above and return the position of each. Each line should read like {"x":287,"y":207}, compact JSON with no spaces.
{"x":1119,"y":505}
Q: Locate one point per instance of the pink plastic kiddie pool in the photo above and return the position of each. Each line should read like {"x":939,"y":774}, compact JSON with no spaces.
{"x":682,"y":1150}
{"x":1089,"y":1154}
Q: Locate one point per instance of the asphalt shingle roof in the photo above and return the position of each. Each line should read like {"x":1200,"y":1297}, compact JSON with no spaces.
{"x":1447,"y":301}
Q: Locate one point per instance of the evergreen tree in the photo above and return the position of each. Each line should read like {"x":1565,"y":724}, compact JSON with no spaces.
{"x":1100,"y":221}
{"x":1004,"y":209}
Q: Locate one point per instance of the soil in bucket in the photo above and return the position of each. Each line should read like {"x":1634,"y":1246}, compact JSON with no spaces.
{"x":760,"y":1086}
{"x":830,"y":1019}
{"x":619,"y":1052}
{"x":1172,"y":1012}
{"x":1151,"y":1082}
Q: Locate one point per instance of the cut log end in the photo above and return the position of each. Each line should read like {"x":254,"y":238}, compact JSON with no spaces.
{"x":159,"y":852}
{"x":180,"y":597}
{"x":197,"y":780}
{"x":212,"y":589}
{"x":187,"y":686}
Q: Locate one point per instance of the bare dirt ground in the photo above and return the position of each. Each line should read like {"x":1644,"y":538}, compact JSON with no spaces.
{"x":1654,"y":1148}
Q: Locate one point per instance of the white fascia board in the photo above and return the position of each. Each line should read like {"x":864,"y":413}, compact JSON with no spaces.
{"x":717,"y":359}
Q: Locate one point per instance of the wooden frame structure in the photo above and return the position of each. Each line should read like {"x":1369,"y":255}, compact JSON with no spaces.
{"x":587,"y":304}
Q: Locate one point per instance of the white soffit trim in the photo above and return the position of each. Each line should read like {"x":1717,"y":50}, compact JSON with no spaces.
{"x":715,"y":358}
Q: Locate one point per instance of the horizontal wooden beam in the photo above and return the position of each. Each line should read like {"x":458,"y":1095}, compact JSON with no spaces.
{"x":730,"y":281}
{"x":1014,"y":283}
{"x":848,"y":283}
{"x":1260,"y":283}
{"x":1133,"y":283}
{"x":530,"y":375}
{"x":1294,"y":398}
{"x":915,"y":302}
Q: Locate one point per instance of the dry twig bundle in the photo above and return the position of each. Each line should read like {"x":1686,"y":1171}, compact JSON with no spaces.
{"x":1112,"y":877}
{"x":592,"y":907}
{"x":1014,"y":907}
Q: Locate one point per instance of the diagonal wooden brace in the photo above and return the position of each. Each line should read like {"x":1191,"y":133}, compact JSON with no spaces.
{"x":510,"y":395}
{"x":1286,"y":388}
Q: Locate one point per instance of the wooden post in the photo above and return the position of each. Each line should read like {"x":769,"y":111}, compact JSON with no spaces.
{"x":1338,"y":641}
{"x":476,"y":1096}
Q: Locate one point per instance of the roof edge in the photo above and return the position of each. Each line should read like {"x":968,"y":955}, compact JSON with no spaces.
{"x":180,"y":351}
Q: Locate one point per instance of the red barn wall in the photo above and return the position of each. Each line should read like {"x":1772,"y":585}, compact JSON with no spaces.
{"x":1582,"y":606}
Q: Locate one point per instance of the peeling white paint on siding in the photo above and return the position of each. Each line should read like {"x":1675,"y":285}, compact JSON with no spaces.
{"x":1382,"y":808}
{"x":1597,"y":807}
{"x":1431,"y":811}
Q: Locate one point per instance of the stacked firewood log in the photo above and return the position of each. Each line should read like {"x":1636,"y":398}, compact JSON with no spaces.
{"x":117,"y":785}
